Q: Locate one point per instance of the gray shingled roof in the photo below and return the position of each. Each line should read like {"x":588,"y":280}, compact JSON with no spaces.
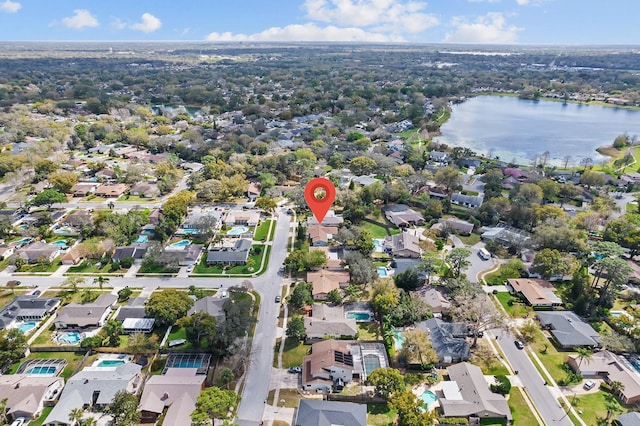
{"x":444,"y":342}
{"x":568,"y":329}
{"x":238,"y":253}
{"x":28,"y":307}
{"x":330,"y":413}
{"x":629,"y":419}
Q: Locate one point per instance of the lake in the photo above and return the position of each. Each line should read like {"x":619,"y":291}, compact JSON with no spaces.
{"x":520,"y":129}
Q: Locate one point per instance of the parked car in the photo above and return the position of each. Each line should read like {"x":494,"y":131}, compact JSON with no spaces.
{"x":295,"y":369}
{"x":278,"y":299}
{"x":19,"y":421}
{"x":589,"y":384}
{"x":13,"y":282}
{"x":518,"y":344}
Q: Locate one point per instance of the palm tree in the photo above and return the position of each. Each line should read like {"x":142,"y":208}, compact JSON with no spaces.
{"x":90,"y":421}
{"x":616,"y":387}
{"x":584,"y":353}
{"x":76,"y":415}
{"x":100,"y":280}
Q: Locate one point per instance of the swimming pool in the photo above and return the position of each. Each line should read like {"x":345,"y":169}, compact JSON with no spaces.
{"x":237,"y":230}
{"x":382,"y":271}
{"x":181,"y":243}
{"x":142,"y":239}
{"x":378,"y":243}
{"x":21,"y":241}
{"x":398,"y":340}
{"x":359,"y":316}
{"x":428,"y":398}
{"x":188,"y":364}
{"x":41,"y":370}
{"x":59,"y":243}
{"x":110,"y":363}
{"x":23,"y":227}
{"x":187,"y":231}
{"x":26,"y":327}
{"x":69,"y":338}
{"x":63,"y":231}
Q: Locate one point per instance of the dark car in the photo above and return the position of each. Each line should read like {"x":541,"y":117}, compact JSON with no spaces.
{"x":295,"y":369}
{"x":277,"y":299}
{"x":518,"y":344}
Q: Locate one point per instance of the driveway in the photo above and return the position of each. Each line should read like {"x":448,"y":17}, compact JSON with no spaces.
{"x":477,"y":264}
{"x":280,"y":377}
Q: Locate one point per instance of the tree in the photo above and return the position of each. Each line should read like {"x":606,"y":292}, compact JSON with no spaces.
{"x":124,"y":409}
{"x":528,"y":331}
{"x":47,"y":198}
{"x":199,"y":325}
{"x":477,"y":311}
{"x":213,"y":403}
{"x":386,"y":381}
{"x":361,"y":269}
{"x":552,"y":263}
{"x":502,"y":385}
{"x":429,"y":265}
{"x":417,"y":349}
{"x":315,"y":259}
{"x":590,"y":179}
{"x":449,"y":177}
{"x":140,"y":343}
{"x":111,"y":331}
{"x":101,"y":280}
{"x":267,"y":204}
{"x":63,"y":181}
{"x":408,"y":280}
{"x":411,"y":410}
{"x":72,"y":282}
{"x":617,"y":273}
{"x":362,"y":165}
{"x":616,"y":387}
{"x":168,"y":305}
{"x":334,"y":296}
{"x":295,"y":328}
{"x":226,"y":377}
{"x":12,"y":345}
{"x":75,"y":415}
{"x":124,"y":293}
{"x":301,"y":295}
{"x":385,"y":297}
{"x":458,"y":258}
{"x":583,"y":354}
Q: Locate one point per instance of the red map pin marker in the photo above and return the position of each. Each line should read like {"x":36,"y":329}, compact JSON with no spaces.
{"x":319,"y":206}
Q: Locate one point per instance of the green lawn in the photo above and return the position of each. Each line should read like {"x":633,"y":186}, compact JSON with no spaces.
{"x":522,"y":415}
{"x":177,"y":334}
{"x":291,"y":398}
{"x":517,"y":310}
{"x":292,"y":354}
{"x":49,"y":267}
{"x":203,"y":268}
{"x":262,"y":231}
{"x":91,"y":266}
{"x":368,"y":331}
{"x":42,"y":417}
{"x":550,"y":357}
{"x":593,"y":406}
{"x":376,"y":231}
{"x":136,"y":198}
{"x":470,"y":239}
{"x":380,"y":415}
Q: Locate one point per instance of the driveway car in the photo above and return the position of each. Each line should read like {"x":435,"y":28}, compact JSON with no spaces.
{"x":295,"y":369}
{"x":589,"y":384}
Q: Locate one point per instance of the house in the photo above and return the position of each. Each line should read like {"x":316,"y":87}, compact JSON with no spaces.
{"x":27,"y":308}
{"x":138,"y":325}
{"x":461,"y":227}
{"x":135,"y":308}
{"x":321,"y":235}
{"x":446,"y":340}
{"x":334,"y":363}
{"x":106,"y":174}
{"x":73,"y":256}
{"x":632,"y":178}
{"x":77,"y":219}
{"x":439,"y":157}
{"x":111,"y":191}
{"x":94,"y":387}
{"x":334,"y":256}
{"x":537,"y":292}
{"x":135,"y":251}
{"x":189,"y":255}
{"x":403,"y":245}
{"x":331,"y":219}
{"x":39,"y":187}
{"x":154,"y":217}
{"x":145,"y":190}
{"x":329,"y":322}
{"x":82,"y":189}
{"x":505,"y":235}
{"x":467,"y":394}
{"x":176,"y":390}
{"x":569,"y":330}
{"x":214,"y":306}
{"x":253,"y":191}
{"x":328,"y":413}
{"x":85,"y":315}
{"x":38,"y":251}
{"x":242,"y":217}
{"x":365,"y":180}
{"x":628,"y":419}
{"x":27,"y":395}
{"x":439,"y":304}
{"x":6,"y":251}
{"x":469,"y":162}
{"x":236,"y":255}
{"x":402,"y":215}
{"x":203,"y":220}
{"x":470,"y":201}
{"x":401,"y":265}
{"x":611,"y":368}
{"x":325,"y":280}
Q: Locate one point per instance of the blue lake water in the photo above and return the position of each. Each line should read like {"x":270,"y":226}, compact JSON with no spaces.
{"x":521,"y":129}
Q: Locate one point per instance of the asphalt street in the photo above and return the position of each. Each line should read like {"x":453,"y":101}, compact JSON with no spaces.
{"x":549,"y":408}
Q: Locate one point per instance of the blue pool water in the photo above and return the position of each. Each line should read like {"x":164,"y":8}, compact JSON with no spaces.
{"x":237,"y":230}
{"x":110,"y":363}
{"x":382,"y":272}
{"x":359,"y":316}
{"x":26,"y":327}
{"x":142,"y":239}
{"x":62,"y":231}
{"x":148,"y":231}
{"x":41,"y":370}
{"x":428,"y":398}
{"x":69,"y":338}
{"x":59,"y":243}
{"x":23,"y":227}
{"x":378,"y":243}
{"x":398,"y":340}
{"x":187,"y":231}
{"x":181,"y":243}
{"x":21,"y":241}
{"x":188,"y":364}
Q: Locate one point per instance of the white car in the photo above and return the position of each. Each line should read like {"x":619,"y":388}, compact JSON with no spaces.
{"x":189,"y":268}
{"x":19,"y":421}
{"x":589,"y":384}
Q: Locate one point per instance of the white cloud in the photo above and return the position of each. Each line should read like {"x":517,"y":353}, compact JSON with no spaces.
{"x":531,"y":2}
{"x":491,"y":28}
{"x":522,"y":2}
{"x":10,"y":6}
{"x":396,"y":16}
{"x":118,"y":24}
{"x":81,"y":18}
{"x":148,"y":24}
{"x":306,"y":32}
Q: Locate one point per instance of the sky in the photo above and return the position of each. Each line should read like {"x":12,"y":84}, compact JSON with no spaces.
{"x":414,"y":21}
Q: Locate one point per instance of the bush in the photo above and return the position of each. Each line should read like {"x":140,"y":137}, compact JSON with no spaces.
{"x":572,"y":378}
{"x":450,"y":421}
{"x":92,"y":342}
{"x":413,"y":379}
{"x":503,"y":385}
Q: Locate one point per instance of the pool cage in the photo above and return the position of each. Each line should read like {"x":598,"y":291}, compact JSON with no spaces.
{"x":181,"y":360}
{"x":42,"y":367}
